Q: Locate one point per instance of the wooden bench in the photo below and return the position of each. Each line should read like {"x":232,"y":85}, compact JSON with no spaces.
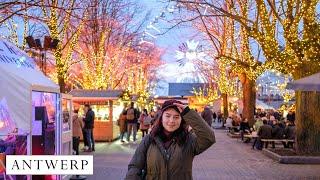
{"x":232,"y":128}
{"x":277,"y":140}
{"x":234,"y":135}
{"x":273,"y":141}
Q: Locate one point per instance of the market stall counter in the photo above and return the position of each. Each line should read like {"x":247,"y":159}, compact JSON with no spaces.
{"x":107,"y":108}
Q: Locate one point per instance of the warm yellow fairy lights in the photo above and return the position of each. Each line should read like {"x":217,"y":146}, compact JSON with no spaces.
{"x":205,"y":95}
{"x":287,"y":95}
{"x":63,"y":55}
{"x":297,"y":53}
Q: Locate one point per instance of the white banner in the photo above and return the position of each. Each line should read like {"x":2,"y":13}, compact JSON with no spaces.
{"x":49,"y":164}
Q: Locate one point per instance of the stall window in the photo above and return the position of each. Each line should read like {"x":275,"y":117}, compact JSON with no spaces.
{"x":101,"y":112}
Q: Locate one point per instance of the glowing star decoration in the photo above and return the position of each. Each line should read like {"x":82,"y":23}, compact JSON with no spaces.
{"x":189,"y":51}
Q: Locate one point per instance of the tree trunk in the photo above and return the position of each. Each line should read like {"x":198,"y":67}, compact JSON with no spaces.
{"x":225,"y":105}
{"x":308,"y":122}
{"x":249,"y":98}
{"x":61,"y":73}
{"x":62,"y":84}
{"x":307,"y":116}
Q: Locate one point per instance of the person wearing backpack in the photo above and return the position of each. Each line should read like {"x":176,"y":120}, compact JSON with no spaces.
{"x":132,"y":121}
{"x":168,"y":151}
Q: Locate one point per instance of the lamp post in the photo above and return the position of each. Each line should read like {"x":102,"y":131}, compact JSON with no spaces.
{"x":48,"y":44}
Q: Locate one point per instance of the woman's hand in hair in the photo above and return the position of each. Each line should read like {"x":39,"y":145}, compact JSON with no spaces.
{"x":181,"y":107}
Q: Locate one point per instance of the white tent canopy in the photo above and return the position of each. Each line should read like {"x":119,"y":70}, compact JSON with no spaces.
{"x":18,"y":78}
{"x":310,"y":83}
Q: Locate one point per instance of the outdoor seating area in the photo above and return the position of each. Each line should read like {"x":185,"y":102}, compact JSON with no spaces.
{"x":269,"y":127}
{"x":252,"y":139}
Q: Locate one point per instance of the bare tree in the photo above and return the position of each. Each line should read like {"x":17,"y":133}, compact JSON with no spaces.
{"x":287,"y":31}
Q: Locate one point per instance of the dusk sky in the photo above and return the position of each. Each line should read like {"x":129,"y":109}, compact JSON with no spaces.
{"x":169,"y":42}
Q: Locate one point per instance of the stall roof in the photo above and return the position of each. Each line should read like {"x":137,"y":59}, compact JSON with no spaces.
{"x":83,"y":93}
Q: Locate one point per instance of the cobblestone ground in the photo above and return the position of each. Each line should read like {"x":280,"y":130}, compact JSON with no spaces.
{"x":227,"y":159}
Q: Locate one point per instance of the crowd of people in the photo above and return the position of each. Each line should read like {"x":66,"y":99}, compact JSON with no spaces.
{"x":268,"y":125}
{"x":131,"y":120}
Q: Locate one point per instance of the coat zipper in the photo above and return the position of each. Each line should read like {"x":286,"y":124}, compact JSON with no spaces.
{"x":168,"y":157}
{"x":167,"y":161}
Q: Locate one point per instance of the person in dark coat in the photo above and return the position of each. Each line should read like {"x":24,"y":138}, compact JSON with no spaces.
{"x":290,"y":133}
{"x":168,"y":152}
{"x":277,"y":132}
{"x":291,"y":116}
{"x":265,"y":132}
{"x":214,"y":115}
{"x":244,"y":128}
{"x":88,"y":127}
{"x":220,"y":117}
{"x":207,"y":115}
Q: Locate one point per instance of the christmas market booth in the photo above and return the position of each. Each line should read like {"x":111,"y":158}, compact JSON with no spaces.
{"x":107,"y":107}
{"x":30,"y":119}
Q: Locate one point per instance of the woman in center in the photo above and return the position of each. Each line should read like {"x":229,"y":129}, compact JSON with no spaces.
{"x":168,"y":151}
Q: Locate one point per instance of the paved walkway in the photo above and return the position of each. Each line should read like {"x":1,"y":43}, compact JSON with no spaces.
{"x":227,"y":159}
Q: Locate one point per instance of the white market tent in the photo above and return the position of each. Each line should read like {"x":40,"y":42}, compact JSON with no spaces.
{"x":18,"y":78}
{"x":309,"y":83}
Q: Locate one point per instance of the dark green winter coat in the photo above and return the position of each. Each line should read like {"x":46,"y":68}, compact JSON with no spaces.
{"x":175,"y":163}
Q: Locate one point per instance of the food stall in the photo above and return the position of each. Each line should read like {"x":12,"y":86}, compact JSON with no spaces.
{"x":30,"y":106}
{"x":107,"y":108}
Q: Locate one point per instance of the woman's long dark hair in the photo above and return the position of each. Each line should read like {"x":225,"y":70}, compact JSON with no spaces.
{"x":180,"y":134}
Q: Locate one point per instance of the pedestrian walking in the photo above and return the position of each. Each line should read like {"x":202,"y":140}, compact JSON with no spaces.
{"x":207,"y":115}
{"x":132,"y":121}
{"x":122,"y":124}
{"x":144,"y":121}
{"x":214,"y":116}
{"x":77,"y":125}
